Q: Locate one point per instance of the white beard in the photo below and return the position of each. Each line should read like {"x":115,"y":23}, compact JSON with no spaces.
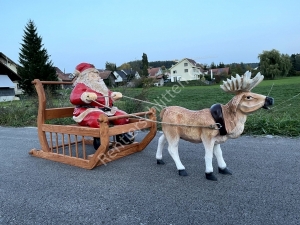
{"x":97,"y":85}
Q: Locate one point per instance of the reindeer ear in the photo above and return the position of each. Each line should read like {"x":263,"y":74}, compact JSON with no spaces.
{"x":235,"y":101}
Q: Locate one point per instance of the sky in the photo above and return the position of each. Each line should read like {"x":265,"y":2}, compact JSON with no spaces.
{"x":120,"y":31}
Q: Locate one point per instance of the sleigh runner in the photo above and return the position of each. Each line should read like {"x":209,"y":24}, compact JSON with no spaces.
{"x":71,"y":144}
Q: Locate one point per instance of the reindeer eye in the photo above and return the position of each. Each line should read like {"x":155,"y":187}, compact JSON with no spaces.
{"x":248,"y":97}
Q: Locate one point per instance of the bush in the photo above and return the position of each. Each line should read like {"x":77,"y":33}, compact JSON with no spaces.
{"x":19,"y":113}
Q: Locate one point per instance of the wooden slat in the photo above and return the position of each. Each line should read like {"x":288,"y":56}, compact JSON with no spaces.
{"x":116,"y":153}
{"x":54,"y":113}
{"x":61,"y":158}
{"x":67,"y":144}
{"x":94,"y":132}
{"x":75,"y":130}
{"x":51,"y":82}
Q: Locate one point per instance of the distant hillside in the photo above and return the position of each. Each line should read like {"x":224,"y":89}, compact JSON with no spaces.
{"x":137,"y":65}
{"x":252,"y":65}
{"x":167,"y":64}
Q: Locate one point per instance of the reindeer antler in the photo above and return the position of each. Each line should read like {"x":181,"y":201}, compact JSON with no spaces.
{"x":241,"y":83}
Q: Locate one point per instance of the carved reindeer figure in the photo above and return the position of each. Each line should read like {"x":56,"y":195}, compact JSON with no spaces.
{"x":196,"y":126}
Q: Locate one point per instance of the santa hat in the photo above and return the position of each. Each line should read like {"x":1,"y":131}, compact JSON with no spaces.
{"x":83,"y":68}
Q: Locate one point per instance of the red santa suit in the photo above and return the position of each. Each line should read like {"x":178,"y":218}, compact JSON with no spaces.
{"x":87,"y":111}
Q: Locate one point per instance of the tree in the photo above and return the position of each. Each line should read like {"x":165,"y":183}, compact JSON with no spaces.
{"x":285,"y":65}
{"x":297,"y":62}
{"x":34,"y":60}
{"x":124,"y":66}
{"x":295,"y":59}
{"x":205,"y":66}
{"x":145,"y":65}
{"x":110,"y":66}
{"x":273,"y":64}
{"x":221,"y":65}
{"x":237,"y":68}
{"x":213,"y":65}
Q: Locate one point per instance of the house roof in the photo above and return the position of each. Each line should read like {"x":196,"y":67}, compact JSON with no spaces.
{"x":153,"y":71}
{"x":129,"y":71}
{"x":104,"y":74}
{"x":62,"y":76}
{"x":121,"y":74}
{"x":6,"y":70}
{"x":192,"y":62}
{"x":5,"y":82}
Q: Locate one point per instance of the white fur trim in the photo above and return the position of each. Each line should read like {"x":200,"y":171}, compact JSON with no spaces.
{"x":79,"y":118}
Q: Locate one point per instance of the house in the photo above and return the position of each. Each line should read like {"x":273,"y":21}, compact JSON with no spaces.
{"x":7,"y":89}
{"x":9,"y":68}
{"x":158,"y":76}
{"x":185,"y":70}
{"x":132,"y":73}
{"x":125,"y":76}
{"x":121,"y":77}
{"x":61,"y":76}
{"x":108,"y":77}
{"x":218,"y":72}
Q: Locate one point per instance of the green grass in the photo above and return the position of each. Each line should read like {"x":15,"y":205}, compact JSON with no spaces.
{"x":282,"y":119}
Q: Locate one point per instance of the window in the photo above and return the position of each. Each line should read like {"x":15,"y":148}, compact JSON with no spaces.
{"x":174,"y":71}
{"x":185,"y":64}
{"x":186,"y":70}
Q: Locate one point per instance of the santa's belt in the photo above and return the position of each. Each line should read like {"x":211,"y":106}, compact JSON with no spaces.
{"x":104,"y":109}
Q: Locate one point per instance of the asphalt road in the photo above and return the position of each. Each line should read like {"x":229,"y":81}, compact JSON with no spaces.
{"x":264,"y":187}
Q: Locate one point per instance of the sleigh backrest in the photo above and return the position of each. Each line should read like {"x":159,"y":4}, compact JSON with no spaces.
{"x":50,"y":113}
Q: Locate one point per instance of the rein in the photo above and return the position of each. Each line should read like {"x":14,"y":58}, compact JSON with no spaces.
{"x":215,"y":126}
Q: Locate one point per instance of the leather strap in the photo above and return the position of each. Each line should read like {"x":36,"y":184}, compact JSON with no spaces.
{"x":217,"y":114}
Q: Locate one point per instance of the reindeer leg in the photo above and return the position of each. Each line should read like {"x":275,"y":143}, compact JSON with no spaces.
{"x":221,"y":163}
{"x":161,"y":142}
{"x":209,"y":145}
{"x":173,"y":150}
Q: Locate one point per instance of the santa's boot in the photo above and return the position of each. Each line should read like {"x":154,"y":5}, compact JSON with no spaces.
{"x":125,"y":139}
{"x":96,"y":143}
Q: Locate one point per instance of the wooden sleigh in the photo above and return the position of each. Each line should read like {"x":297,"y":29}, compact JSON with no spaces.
{"x":72,"y":144}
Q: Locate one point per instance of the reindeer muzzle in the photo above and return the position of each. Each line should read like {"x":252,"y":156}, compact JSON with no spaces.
{"x":268,"y":101}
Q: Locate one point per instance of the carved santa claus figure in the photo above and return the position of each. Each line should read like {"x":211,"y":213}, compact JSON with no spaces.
{"x":92,"y":98}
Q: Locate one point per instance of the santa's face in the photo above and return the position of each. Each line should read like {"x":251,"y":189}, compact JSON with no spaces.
{"x":93,"y":80}
{"x":94,"y":76}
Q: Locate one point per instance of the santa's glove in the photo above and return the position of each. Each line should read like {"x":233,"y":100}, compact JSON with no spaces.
{"x":116,"y":95}
{"x":88,"y":97}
